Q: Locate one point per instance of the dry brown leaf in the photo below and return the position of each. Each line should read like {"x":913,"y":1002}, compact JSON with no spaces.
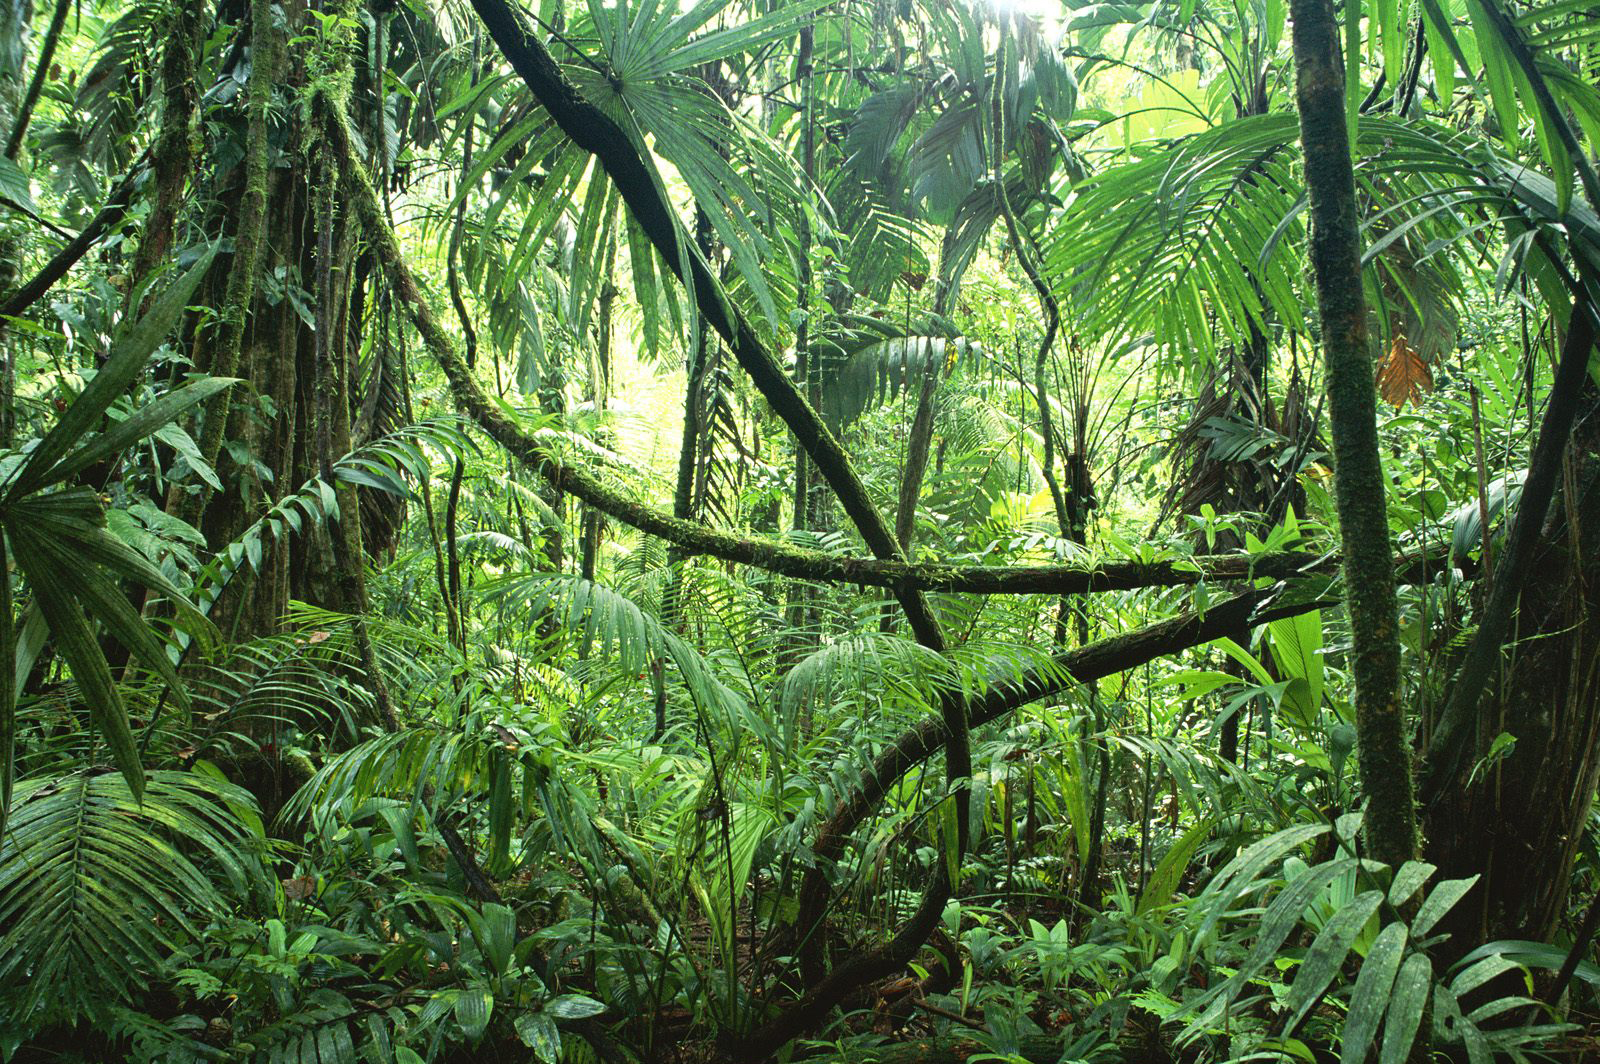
{"x":299,"y":887}
{"x":1403,"y":377}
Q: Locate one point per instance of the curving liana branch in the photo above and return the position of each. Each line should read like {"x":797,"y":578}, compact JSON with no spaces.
{"x":771,"y":555}
{"x":596,"y":132}
{"x":593,"y":130}
{"x":1082,"y":665}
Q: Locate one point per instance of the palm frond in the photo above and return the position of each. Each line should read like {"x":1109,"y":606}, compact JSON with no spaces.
{"x":98,"y":885}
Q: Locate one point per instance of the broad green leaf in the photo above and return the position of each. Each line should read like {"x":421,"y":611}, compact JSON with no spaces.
{"x":1352,"y":72}
{"x":106,"y":603}
{"x":1327,"y":954}
{"x":1439,"y":902}
{"x":540,"y":1034}
{"x":501,"y":822}
{"x":1247,"y":659}
{"x":1442,"y":57}
{"x":744,"y":35}
{"x":32,"y":634}
{"x":1297,"y":650}
{"x":1406,"y":1003}
{"x":77,"y":646}
{"x":1408,"y":880}
{"x":1239,"y":874}
{"x":97,"y":886}
{"x":73,"y":520}
{"x":473,"y":1008}
{"x":1169,"y":870}
{"x":1480,"y":972}
{"x":386,"y":482}
{"x":573,"y":1007}
{"x":1370,"y":996}
{"x":1530,"y":954}
{"x":1390,"y":31}
{"x":141,"y":423}
{"x":1497,"y":69}
{"x":15,"y":186}
{"x":1279,"y":921}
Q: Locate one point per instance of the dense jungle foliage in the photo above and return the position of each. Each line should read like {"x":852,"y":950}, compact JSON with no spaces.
{"x":900,"y":531}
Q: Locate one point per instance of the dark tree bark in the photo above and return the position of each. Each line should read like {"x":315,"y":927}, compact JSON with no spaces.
{"x":332,"y":421}
{"x":918,"y":448}
{"x":249,"y":242}
{"x":1454,"y":731}
{"x":1359,"y":487}
{"x":807,"y":375}
{"x":294,"y":370}
{"x":1518,"y":823}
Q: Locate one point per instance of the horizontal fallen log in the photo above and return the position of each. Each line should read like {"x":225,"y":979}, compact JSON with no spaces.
{"x":1084,"y":665}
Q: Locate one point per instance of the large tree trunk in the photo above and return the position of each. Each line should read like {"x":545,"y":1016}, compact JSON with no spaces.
{"x":265,"y":340}
{"x":1451,"y":737}
{"x":1518,"y":822}
{"x":171,"y":158}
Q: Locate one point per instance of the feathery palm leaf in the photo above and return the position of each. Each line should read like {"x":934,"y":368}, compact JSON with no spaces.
{"x":98,"y":884}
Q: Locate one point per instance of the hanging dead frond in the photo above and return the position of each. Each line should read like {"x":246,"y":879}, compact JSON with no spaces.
{"x":1403,"y":375}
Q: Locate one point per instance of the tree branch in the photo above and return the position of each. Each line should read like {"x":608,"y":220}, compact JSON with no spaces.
{"x":594,"y":131}
{"x":761,"y":552}
{"x":116,"y":208}
{"x":1083,"y":665}
{"x":1449,"y":741}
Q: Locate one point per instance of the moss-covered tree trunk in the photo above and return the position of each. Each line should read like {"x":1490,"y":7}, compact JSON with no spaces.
{"x":248,"y":242}
{"x":1359,"y":487}
{"x":172,"y":156}
{"x":264,"y":439}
